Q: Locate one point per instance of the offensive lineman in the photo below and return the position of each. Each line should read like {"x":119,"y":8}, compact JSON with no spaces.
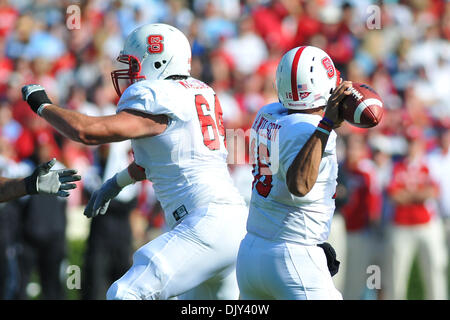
{"x":294,"y":184}
{"x":176,"y":128}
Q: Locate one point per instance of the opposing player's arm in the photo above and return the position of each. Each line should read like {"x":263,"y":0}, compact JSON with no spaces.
{"x":128,"y":124}
{"x":42,"y":181}
{"x":11,"y":189}
{"x":302,"y":173}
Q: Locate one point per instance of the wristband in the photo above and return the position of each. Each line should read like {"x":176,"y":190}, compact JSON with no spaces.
{"x":123,"y":178}
{"x":328,"y":122}
{"x":41,"y":108}
{"x":31,"y":184}
{"x":325,"y":126}
{"x":36,"y":98}
{"x":323,"y":131}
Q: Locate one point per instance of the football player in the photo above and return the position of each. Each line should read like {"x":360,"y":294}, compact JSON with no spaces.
{"x":175,"y":124}
{"x":42,"y":181}
{"x":294,"y":147}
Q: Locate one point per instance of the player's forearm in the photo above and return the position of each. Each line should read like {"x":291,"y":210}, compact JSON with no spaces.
{"x":302,"y":174}
{"x":11,"y":189}
{"x":93,"y":130}
{"x":69,"y":123}
{"x":77,"y":126}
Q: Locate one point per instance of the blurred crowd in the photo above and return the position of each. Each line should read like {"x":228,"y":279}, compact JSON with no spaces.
{"x":393,"y":198}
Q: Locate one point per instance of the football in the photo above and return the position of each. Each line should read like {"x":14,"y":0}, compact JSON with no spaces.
{"x":363,"y":108}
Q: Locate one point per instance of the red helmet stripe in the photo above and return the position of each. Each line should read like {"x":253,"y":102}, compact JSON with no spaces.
{"x":294,"y":73}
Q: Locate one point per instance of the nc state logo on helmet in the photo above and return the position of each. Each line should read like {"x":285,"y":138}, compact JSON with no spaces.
{"x":305,"y":78}
{"x":153,"y":51}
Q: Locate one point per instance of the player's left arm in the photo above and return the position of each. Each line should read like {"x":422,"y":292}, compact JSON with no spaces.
{"x":128,"y":124}
{"x":100,"y":199}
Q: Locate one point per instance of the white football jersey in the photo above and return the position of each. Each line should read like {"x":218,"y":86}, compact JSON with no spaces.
{"x":187,"y":162}
{"x":275,"y":213}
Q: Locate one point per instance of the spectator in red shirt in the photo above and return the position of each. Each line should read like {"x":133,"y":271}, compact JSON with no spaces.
{"x":415,"y":226}
{"x":8,"y":17}
{"x":308,"y":24}
{"x":268,"y":24}
{"x":361,"y":213}
{"x":339,"y":42}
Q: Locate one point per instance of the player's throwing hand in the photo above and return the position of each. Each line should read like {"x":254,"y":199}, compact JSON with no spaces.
{"x":332,"y":111}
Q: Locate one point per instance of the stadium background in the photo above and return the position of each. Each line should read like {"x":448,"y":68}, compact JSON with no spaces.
{"x":236,"y":47}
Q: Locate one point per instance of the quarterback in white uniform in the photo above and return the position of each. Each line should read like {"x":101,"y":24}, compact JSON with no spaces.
{"x":295,"y":173}
{"x":176,"y":130}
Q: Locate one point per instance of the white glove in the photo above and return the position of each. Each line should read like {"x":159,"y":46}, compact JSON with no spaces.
{"x":46,"y":181}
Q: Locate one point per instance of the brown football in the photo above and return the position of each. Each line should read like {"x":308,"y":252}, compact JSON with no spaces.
{"x":363,"y":108}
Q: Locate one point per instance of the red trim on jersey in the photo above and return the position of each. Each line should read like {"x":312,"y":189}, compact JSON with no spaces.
{"x":294,"y":73}
{"x":338,"y":77}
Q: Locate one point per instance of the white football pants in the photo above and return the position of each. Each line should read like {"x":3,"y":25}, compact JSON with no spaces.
{"x":284,"y":271}
{"x":194,"y":260}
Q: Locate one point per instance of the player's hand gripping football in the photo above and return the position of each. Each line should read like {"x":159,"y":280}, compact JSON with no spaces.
{"x":100,"y":199}
{"x":55,"y":182}
{"x":332,"y":111}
